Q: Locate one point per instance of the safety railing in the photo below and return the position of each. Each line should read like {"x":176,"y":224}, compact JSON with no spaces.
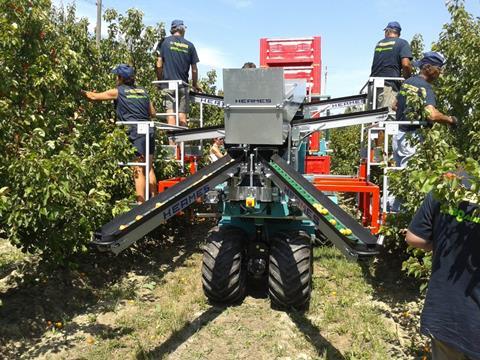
{"x":143,"y":128}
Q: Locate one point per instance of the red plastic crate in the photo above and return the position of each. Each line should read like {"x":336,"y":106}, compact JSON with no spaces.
{"x":309,"y":73}
{"x":300,"y":57}
{"x":290,"y":52}
{"x":317,"y":164}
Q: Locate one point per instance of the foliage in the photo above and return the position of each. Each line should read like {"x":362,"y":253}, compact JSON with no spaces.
{"x":59,"y":175}
{"x":444,"y":149}
{"x":345,"y":156}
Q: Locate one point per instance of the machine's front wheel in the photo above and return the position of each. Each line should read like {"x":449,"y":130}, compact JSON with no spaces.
{"x":290,"y":270}
{"x":223,"y":270}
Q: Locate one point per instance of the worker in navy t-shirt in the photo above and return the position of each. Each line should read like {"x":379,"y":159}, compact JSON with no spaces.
{"x":417,"y":87}
{"x":451,"y":313}
{"x":391,"y":59}
{"x":132,"y":103}
{"x":176,"y":56}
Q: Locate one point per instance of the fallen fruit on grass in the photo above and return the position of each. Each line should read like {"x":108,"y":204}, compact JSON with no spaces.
{"x":58,"y":325}
{"x":90,"y":340}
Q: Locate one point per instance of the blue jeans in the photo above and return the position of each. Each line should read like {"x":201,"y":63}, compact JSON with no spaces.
{"x":403,"y":150}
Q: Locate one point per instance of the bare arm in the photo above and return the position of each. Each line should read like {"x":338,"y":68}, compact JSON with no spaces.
{"x":215,"y":150}
{"x":417,"y":242}
{"x":394,"y":105}
{"x":436,"y":116}
{"x":195,"y":77}
{"x":159,"y":68}
{"x":111,"y":94}
{"x":406,"y":68}
{"x":153,"y":113}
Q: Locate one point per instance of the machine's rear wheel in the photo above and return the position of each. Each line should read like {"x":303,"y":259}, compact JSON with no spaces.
{"x":290,"y":270}
{"x":223,"y":271}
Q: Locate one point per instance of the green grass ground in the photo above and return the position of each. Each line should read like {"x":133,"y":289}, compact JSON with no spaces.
{"x":149,"y":305}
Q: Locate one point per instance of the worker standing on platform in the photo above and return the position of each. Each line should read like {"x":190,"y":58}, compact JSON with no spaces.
{"x":176,"y":56}
{"x":391,"y":59}
{"x":217,"y":149}
{"x":451,"y":314}
{"x":418,"y":89}
{"x":132,"y":103}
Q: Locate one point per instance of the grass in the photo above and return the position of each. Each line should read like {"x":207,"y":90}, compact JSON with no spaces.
{"x":146,"y":316}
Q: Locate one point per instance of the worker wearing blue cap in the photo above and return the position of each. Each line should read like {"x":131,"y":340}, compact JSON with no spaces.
{"x":391,"y":59}
{"x":418,"y":87}
{"x":132,"y":103}
{"x":175,"y":58}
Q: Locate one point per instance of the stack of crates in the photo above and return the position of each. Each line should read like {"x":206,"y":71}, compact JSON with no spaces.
{"x":299,"y":57}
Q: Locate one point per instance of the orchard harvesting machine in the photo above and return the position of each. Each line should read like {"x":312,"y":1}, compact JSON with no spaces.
{"x":269,"y":212}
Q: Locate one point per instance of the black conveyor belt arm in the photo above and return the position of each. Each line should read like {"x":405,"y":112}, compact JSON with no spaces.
{"x":340,"y":228}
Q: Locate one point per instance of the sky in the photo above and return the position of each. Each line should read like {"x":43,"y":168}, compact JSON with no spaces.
{"x":226,"y":33}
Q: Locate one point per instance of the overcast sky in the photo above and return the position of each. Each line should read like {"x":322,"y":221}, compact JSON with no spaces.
{"x":226,"y":33}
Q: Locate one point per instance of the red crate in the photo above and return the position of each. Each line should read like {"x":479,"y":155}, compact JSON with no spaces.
{"x":290,"y":52}
{"x":309,"y":73}
{"x":300,"y":57}
{"x":317,"y":164}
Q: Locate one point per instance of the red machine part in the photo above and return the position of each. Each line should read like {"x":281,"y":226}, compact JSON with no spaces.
{"x":165,"y":184}
{"x":314,"y":142}
{"x":300,"y":57}
{"x":369,"y":196}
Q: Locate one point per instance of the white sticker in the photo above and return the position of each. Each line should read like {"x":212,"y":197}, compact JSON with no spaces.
{"x":142,"y":128}
{"x":391,"y":128}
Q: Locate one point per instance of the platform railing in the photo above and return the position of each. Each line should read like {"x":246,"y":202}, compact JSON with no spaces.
{"x":143,"y":128}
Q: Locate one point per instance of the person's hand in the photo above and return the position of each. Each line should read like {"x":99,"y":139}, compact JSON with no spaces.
{"x":455,"y":122}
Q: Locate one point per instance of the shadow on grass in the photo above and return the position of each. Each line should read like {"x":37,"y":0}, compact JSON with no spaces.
{"x":390,"y":284}
{"x":181,"y":336}
{"x":41,"y":293}
{"x":56,"y":345}
{"x":312,"y":333}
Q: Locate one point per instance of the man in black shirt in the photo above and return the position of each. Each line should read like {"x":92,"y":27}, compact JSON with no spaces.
{"x":451,"y":314}
{"x":132,"y":103}
{"x":391,"y":59}
{"x":176,"y":56}
{"x":418,"y":88}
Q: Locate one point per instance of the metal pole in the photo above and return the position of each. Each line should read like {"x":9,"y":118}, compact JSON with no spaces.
{"x":201,"y":125}
{"x":147,"y":164}
{"x":98,"y":28}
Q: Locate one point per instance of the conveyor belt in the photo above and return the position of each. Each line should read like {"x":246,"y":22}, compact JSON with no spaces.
{"x":131,"y":226}
{"x":203,"y":133}
{"x":316,"y":108}
{"x":340,"y":228}
{"x":341,"y":120}
{"x":208,"y":99}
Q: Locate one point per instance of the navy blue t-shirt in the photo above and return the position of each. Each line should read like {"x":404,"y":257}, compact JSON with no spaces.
{"x":132,"y":104}
{"x":418,"y":87}
{"x":177,"y":54}
{"x":387,"y":60}
{"x":452,"y":306}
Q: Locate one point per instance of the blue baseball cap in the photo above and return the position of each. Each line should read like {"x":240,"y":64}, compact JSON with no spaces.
{"x":431,"y":57}
{"x":177,"y":23}
{"x":123,"y":70}
{"x":394,"y":25}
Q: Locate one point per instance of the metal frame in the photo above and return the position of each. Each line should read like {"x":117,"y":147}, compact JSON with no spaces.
{"x":141,"y":130}
{"x":174,"y":85}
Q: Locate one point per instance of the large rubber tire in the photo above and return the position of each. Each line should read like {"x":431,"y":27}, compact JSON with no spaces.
{"x":290,"y":271}
{"x":223,"y":269}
